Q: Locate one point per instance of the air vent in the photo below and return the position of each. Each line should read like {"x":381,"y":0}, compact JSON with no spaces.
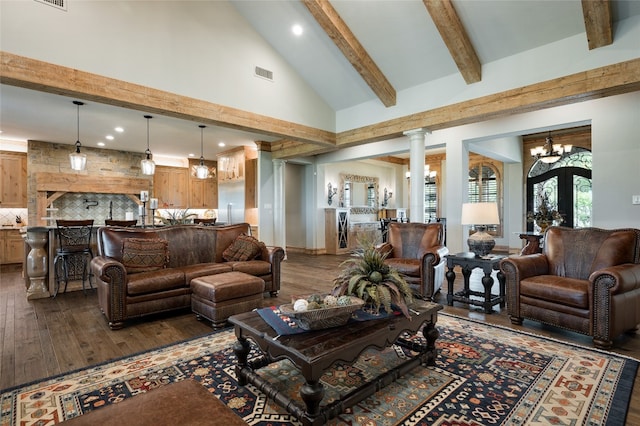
{"x":263,"y":73}
{"x":58,"y":4}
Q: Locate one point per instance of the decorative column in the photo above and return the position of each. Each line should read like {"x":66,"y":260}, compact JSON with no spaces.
{"x":279,"y":220}
{"x":37,"y":262}
{"x":416,"y":166}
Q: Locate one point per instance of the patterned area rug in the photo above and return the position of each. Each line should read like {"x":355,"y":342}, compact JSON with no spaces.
{"x":484,"y":375}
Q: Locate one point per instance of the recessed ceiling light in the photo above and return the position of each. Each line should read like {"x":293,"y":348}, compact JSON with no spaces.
{"x":119,"y":129}
{"x":221,"y":144}
{"x":100,"y":143}
{"x":191,"y":155}
{"x":297,"y":29}
{"x":109,"y":137}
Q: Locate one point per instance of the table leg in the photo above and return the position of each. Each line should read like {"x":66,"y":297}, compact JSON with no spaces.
{"x":431,"y":333}
{"x":312,"y":393}
{"x":466,"y":274}
{"x":241,"y":348}
{"x":487,"y":282}
{"x":503,"y":293}
{"x":451,"y":277}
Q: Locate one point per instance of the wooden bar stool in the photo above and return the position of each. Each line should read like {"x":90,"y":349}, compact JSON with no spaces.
{"x":73,"y":253}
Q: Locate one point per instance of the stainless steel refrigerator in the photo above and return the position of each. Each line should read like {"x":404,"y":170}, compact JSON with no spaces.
{"x":231,"y":202}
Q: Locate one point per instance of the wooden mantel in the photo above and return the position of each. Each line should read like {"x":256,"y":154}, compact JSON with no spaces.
{"x":61,"y":183}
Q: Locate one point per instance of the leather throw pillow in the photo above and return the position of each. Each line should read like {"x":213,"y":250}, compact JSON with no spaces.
{"x":244,"y":247}
{"x":144,"y":254}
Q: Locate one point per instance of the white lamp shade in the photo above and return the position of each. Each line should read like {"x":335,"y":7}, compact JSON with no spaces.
{"x":78,"y":160}
{"x":480,"y":214}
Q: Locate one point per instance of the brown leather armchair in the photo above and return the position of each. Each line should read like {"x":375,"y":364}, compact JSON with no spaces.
{"x":586,"y":280}
{"x":417,"y":251}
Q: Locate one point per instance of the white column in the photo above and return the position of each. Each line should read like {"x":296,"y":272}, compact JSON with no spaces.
{"x":279,"y":229}
{"x":416,"y":166}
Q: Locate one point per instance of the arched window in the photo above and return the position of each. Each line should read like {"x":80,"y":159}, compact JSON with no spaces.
{"x":485,"y":186}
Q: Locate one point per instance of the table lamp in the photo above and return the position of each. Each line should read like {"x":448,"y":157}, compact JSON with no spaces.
{"x":480,"y":215}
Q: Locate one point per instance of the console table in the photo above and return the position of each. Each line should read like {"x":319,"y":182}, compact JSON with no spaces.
{"x":315,"y":351}
{"x":468,"y":262}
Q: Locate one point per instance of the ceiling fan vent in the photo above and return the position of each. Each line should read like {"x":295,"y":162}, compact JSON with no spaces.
{"x":263,"y":73}
{"x":58,"y":4}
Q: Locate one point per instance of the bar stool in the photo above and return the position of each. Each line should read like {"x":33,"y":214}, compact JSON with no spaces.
{"x":73,"y":252}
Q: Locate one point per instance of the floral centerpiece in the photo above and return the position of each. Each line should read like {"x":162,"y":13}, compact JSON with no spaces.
{"x":176,"y":217}
{"x":367,"y":276}
{"x":545,"y":214}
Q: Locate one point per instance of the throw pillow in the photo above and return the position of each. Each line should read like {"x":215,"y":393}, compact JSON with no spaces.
{"x":244,"y":247}
{"x":144,"y":254}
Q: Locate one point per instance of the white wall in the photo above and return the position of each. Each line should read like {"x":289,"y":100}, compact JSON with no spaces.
{"x":201,"y":49}
{"x":615,"y":125}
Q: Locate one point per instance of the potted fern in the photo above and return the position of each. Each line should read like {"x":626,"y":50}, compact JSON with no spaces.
{"x":367,"y":276}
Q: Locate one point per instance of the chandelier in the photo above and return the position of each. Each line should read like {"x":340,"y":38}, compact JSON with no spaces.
{"x":550,"y":153}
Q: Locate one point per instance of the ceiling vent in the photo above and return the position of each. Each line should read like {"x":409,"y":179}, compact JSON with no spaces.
{"x":58,"y":4}
{"x":263,"y":73}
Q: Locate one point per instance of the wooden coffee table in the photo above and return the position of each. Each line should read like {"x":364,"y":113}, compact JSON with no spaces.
{"x":314,"y":352}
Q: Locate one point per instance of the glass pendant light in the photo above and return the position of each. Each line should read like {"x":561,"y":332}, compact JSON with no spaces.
{"x":147,"y":165}
{"x":78,"y":160}
{"x":202,"y":171}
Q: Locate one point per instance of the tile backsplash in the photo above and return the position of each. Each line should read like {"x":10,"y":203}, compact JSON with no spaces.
{"x":8,"y":216}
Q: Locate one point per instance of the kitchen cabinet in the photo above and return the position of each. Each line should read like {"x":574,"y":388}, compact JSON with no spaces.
{"x":11,"y":246}
{"x":13,"y":180}
{"x":203,"y":193}
{"x":171,"y":187}
{"x":237,"y":185}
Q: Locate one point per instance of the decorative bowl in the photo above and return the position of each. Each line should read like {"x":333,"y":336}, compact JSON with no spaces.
{"x":318,"y":319}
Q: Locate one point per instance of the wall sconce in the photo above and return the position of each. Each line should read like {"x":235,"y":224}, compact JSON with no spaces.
{"x":331,"y":191}
{"x":386,"y":197}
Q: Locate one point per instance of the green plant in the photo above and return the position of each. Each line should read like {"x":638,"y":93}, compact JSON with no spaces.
{"x":367,"y":276}
{"x":176,"y":217}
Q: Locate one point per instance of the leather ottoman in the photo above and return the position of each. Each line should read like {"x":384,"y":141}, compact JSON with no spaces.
{"x":180,"y":403}
{"x":217,"y":297}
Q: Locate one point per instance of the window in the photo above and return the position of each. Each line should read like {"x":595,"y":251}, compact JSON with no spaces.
{"x":485,"y":186}
{"x":430,"y":200}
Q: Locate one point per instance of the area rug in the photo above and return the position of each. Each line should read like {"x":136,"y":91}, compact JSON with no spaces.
{"x":484,"y":375}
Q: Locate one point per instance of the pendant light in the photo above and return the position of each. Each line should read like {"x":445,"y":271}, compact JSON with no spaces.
{"x":77,"y":159}
{"x":147,"y":165}
{"x":202,"y":171}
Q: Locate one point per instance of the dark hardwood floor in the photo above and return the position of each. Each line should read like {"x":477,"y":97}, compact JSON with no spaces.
{"x":46,"y":337}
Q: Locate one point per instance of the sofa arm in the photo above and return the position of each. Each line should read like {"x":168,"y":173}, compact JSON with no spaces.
{"x":275,"y":258}
{"x":111,"y":282}
{"x":622,"y":278}
{"x":522,"y":267}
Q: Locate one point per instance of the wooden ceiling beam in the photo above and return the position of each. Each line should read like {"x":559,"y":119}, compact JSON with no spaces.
{"x":610,"y":80}
{"x":455,"y":37}
{"x":46,"y":77}
{"x":597,"y":22}
{"x":339,"y":32}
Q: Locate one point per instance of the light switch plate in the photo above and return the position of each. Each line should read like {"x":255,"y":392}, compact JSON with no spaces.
{"x":635,"y":199}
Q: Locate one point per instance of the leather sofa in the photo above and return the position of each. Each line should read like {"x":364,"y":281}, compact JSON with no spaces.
{"x":141,"y":271}
{"x":417,"y":252}
{"x":585,"y":280}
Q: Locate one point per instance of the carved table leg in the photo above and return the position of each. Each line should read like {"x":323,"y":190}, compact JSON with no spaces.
{"x":241,"y":348}
{"x":451,"y":277}
{"x":312,"y":393}
{"x":431,"y":333}
{"x":487,"y":283}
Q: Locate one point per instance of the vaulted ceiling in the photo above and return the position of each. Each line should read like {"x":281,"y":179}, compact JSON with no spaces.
{"x":350,"y":52}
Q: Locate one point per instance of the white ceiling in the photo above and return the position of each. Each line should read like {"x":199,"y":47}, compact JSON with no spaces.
{"x":398,"y":35}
